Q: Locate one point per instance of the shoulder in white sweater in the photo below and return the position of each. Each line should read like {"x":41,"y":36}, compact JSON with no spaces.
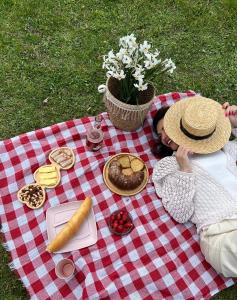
{"x":192,"y":196}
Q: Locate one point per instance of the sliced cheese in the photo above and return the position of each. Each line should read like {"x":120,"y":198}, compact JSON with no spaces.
{"x":47,"y":169}
{"x":48,"y":182}
{"x":47,"y":175}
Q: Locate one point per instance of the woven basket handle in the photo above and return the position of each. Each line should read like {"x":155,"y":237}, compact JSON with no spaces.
{"x":102,"y":88}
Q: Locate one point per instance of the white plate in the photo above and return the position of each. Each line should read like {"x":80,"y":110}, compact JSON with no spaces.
{"x":58,"y":216}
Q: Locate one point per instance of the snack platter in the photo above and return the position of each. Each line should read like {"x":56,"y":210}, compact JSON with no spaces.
{"x":47,"y":176}
{"x":117,"y":189}
{"x":72,"y":225}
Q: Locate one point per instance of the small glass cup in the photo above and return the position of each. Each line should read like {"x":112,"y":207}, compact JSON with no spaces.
{"x":94,"y":139}
{"x":65,"y":269}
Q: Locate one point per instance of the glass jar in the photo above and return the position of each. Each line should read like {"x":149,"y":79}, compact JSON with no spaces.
{"x":95,"y":136}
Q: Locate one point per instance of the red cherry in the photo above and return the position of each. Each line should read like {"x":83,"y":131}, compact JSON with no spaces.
{"x":121,"y":222}
{"x":118,"y":217}
{"x":119,"y":229}
{"x":125,"y":216}
{"x":112,"y":218}
{"x":128,"y":225}
{"x":115,"y":222}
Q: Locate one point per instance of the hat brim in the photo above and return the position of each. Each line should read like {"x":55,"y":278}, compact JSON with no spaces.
{"x":214,"y":143}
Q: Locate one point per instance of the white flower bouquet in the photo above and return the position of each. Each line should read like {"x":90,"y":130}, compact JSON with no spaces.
{"x":133,"y":66}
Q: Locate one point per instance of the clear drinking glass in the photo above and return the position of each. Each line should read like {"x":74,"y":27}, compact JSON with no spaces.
{"x":95,"y":136}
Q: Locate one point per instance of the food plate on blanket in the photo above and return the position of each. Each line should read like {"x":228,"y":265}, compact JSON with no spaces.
{"x":58,"y":216}
{"x":63,"y":157}
{"x":125,"y":174}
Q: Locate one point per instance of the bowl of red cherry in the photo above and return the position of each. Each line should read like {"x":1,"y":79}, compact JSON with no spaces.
{"x":120,"y":222}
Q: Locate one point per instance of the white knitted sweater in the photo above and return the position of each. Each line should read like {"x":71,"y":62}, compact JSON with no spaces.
{"x":194,"y":196}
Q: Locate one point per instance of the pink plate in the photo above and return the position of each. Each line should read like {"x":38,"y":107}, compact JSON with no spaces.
{"x":58,"y":216}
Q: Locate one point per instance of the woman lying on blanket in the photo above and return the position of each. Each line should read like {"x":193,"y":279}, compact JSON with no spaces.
{"x":199,"y":182}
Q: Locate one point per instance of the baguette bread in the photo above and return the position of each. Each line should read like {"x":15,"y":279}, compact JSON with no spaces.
{"x":70,"y":229}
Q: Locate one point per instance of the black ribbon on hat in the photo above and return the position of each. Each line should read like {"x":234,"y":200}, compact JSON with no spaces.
{"x":192,"y":136}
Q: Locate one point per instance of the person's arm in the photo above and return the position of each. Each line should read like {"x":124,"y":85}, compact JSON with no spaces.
{"x":175,"y":187}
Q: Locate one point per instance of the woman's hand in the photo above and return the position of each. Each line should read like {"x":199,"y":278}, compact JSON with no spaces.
{"x":183,"y":159}
{"x":231,"y":112}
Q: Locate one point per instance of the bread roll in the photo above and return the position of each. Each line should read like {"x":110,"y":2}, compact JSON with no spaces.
{"x":70,"y":229}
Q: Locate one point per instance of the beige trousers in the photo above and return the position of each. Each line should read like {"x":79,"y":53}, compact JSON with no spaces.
{"x":219,"y":245}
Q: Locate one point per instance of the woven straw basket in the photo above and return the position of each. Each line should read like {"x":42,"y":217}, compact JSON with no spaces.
{"x":125,"y":116}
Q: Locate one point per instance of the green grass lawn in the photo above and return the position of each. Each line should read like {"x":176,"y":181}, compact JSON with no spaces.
{"x":53,"y":50}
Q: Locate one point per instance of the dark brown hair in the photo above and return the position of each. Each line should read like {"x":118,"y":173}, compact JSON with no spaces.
{"x":160,"y":149}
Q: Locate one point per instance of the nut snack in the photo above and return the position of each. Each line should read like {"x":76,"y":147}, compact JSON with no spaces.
{"x":33,"y":195}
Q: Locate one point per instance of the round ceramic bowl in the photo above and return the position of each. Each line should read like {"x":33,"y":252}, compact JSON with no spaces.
{"x":65,"y":269}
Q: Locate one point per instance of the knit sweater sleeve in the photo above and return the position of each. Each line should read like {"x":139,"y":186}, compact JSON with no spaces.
{"x":176,"y":188}
{"x":234,"y":132}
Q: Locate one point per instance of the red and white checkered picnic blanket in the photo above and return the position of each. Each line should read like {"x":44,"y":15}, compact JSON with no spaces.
{"x":159,"y":259}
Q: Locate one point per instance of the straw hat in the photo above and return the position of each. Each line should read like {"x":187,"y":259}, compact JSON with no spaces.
{"x":197,"y":123}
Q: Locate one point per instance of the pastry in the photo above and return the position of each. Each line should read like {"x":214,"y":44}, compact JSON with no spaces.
{"x":73,"y":225}
{"x":137,"y":165}
{"x":124,"y":174}
{"x":124,"y":161}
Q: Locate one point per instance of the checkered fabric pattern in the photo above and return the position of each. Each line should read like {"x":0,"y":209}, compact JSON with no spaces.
{"x":159,"y":259}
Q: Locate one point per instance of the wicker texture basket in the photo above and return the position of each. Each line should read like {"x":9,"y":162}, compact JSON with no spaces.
{"x":125,"y":116}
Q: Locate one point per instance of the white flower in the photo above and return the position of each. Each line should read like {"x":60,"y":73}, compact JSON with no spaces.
{"x":119,"y":75}
{"x":110,"y":73}
{"x":127,"y":61}
{"x":144,"y":48}
{"x":111,"y":55}
{"x":139,"y":68}
{"x":138,"y":72}
{"x":140,"y":86}
{"x":156,"y":53}
{"x":121,"y":53}
{"x":132,"y":51}
{"x":132,"y":63}
{"x":169,"y":65}
{"x":105,"y":65}
{"x":140,"y":78}
{"x":128,"y":41}
{"x":151,"y":61}
{"x":148,"y":64}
